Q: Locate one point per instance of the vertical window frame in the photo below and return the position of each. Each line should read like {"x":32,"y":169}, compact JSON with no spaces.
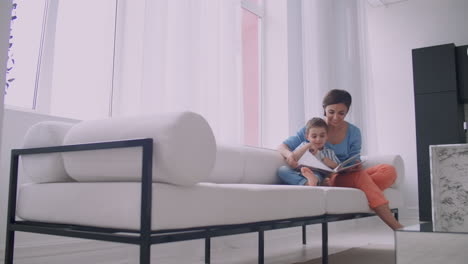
{"x":257,"y":9}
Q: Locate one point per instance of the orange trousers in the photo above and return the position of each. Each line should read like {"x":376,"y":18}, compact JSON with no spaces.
{"x":372,"y":181}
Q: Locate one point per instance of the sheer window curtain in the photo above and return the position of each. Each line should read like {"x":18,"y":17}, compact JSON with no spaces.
{"x":332,"y":46}
{"x":316,"y":25}
{"x":191,"y":61}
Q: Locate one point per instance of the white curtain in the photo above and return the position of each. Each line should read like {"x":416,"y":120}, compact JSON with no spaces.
{"x":316,"y":26}
{"x":192,"y":61}
{"x":331,"y":56}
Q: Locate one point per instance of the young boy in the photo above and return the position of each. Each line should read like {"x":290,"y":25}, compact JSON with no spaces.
{"x":316,"y":135}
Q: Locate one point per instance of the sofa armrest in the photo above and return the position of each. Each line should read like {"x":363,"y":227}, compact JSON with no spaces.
{"x":391,"y":159}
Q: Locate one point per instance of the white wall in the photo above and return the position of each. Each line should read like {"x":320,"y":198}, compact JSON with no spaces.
{"x":392,"y":32}
{"x":16,"y":123}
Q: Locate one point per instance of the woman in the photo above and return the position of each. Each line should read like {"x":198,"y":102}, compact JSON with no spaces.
{"x":345,"y":139}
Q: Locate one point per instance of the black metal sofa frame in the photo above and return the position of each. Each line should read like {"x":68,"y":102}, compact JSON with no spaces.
{"x":144,"y":237}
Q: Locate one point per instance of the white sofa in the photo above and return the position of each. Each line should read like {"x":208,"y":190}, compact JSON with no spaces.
{"x":199,"y":189}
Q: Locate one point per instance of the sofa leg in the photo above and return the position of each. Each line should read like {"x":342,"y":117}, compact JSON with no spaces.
{"x":304,"y":233}
{"x":396,"y":215}
{"x":261,"y":255}
{"x":207,"y":250}
{"x":145,"y":253}
{"x":9,"y":246}
{"x":325,"y":243}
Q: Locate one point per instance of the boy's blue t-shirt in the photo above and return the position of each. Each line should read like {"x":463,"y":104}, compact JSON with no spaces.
{"x":350,"y":145}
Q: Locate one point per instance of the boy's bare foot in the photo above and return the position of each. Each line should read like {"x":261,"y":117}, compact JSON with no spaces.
{"x":310,"y":176}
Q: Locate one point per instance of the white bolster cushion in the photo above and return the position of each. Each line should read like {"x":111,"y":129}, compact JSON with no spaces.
{"x":394,"y":160}
{"x":42,"y":168}
{"x":184,"y":149}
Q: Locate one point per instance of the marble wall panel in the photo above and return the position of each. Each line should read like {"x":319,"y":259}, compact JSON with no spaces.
{"x":449,"y":177}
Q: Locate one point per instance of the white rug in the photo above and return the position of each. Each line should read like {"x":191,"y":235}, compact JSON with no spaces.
{"x":371,"y":254}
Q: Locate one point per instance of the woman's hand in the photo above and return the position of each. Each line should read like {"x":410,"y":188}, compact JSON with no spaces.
{"x":357,"y":168}
{"x":292,"y":162}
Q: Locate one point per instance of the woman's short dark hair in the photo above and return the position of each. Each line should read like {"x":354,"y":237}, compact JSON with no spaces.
{"x":336,"y":96}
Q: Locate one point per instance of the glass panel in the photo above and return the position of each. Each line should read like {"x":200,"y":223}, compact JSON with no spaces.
{"x":26,"y":32}
{"x":251,"y":77}
{"x":83,"y":59}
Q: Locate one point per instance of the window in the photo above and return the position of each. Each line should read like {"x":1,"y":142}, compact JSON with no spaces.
{"x":64,"y":57}
{"x":82,"y":73}
{"x":252,"y":13}
{"x":27,"y":36}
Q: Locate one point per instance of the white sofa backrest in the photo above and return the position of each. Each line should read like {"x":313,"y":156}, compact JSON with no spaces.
{"x":43,"y":168}
{"x":391,"y":159}
{"x":243,"y":164}
{"x":185,"y":153}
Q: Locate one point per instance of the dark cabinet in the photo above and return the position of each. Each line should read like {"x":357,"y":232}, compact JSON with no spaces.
{"x":434,"y":69}
{"x":462,"y":72}
{"x":439,"y":113}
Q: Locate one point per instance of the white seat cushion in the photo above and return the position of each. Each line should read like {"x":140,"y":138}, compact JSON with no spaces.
{"x":117,"y":204}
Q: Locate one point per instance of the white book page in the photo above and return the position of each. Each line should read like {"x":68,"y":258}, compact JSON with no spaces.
{"x":311,"y":161}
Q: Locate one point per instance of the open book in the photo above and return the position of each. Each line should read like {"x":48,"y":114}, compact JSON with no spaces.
{"x":315,"y":164}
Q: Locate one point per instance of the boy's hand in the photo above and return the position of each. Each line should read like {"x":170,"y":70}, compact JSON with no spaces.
{"x":330,"y":163}
{"x":313,"y":149}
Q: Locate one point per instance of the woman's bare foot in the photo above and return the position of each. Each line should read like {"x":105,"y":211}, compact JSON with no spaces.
{"x":310,"y":176}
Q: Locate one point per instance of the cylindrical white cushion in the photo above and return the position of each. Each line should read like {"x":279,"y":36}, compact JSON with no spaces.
{"x":394,"y":160}
{"x":41,"y":168}
{"x":184,"y":149}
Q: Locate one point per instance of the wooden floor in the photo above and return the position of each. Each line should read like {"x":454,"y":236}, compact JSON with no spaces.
{"x":281,"y":246}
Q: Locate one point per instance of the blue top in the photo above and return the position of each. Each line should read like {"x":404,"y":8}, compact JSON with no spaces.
{"x":350,"y":145}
